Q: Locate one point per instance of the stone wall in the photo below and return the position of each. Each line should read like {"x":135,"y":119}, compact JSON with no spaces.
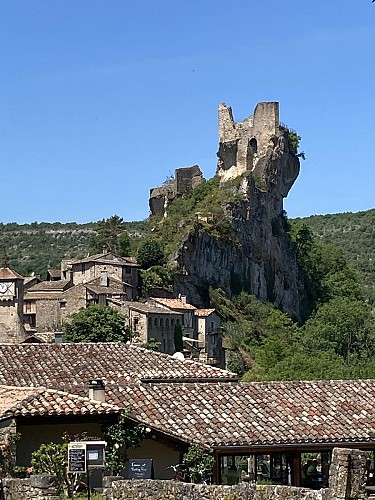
{"x":33,"y":488}
{"x":174,"y":490}
{"x":185,"y":180}
{"x":347,"y":481}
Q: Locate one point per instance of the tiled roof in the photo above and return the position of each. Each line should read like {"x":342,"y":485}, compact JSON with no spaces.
{"x":6,"y":273}
{"x":70,"y":366}
{"x":148,"y":308}
{"x":104,"y":290}
{"x":172,"y":303}
{"x":203,"y":312}
{"x":256,"y":414}
{"x":32,"y":401}
{"x":47,"y":286}
{"x":54,"y":273}
{"x":107,"y":258}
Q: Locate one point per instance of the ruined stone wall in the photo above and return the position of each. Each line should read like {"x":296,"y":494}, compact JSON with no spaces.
{"x":185,"y":180}
{"x":242,"y":144}
{"x":33,"y":488}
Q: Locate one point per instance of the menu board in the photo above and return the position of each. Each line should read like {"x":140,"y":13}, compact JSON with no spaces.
{"x":77,"y":457}
{"x":141,"y":468}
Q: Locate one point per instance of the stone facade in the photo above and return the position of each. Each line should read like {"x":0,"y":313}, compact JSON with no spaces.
{"x":11,"y":306}
{"x":185,"y":179}
{"x":147,"y":322}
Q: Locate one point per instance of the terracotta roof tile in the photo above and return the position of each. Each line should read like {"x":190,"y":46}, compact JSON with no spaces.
{"x":6,"y":273}
{"x":29,"y":401}
{"x":47,"y":286}
{"x":218,"y":414}
{"x":203,"y":312}
{"x":66,"y":366}
{"x":148,"y":308}
{"x":172,"y":303}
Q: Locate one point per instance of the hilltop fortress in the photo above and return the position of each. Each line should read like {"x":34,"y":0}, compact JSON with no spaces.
{"x":244,"y":150}
{"x":260,"y":156}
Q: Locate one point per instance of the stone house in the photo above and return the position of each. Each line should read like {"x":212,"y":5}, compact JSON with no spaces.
{"x":201,"y":329}
{"x":48,"y":303}
{"x":103,"y":266}
{"x":255,"y":431}
{"x":148,"y":322}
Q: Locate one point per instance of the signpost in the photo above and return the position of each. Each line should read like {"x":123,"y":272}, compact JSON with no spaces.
{"x":77,"y":462}
{"x":141,"y":468}
{"x":85,"y":455}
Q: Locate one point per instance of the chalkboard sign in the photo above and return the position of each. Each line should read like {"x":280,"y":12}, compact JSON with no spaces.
{"x":77,"y":457}
{"x":141,"y":468}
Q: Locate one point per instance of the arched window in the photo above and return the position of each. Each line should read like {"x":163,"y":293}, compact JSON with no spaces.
{"x":254,"y":145}
{"x":156,"y":322}
{"x":167,"y":322}
{"x":161,"y":322}
{"x":172,"y":322}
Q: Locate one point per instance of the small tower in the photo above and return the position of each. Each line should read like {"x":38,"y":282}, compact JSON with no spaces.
{"x":11,"y":306}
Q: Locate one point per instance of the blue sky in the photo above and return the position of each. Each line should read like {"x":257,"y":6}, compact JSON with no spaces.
{"x":100,"y":100}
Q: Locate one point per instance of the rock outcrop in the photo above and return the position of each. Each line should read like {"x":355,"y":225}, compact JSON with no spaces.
{"x":260,"y":258}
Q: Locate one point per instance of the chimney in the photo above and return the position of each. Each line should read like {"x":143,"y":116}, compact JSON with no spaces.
{"x":183,"y":299}
{"x":58,"y":337}
{"x":97,"y":390}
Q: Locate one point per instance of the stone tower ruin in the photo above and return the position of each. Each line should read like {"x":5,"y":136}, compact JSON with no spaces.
{"x":242,"y":144}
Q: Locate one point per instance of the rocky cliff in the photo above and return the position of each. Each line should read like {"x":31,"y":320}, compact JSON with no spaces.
{"x":257,"y":159}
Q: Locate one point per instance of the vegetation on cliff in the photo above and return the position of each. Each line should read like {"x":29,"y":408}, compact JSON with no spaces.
{"x":335,"y":254}
{"x":336,"y":341}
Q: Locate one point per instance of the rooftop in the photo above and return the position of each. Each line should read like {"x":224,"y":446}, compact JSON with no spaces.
{"x":6,"y":273}
{"x":173,"y":303}
{"x":31,"y":401}
{"x":256,"y":414}
{"x":70,"y":366}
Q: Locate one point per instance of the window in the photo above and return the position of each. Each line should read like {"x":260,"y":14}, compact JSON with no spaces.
{"x":128,"y":270}
{"x":62,"y":304}
{"x":156,"y":322}
{"x":27,"y":306}
{"x":254,"y":145}
{"x":172,"y":322}
{"x":161,"y":322}
{"x":167,"y":322}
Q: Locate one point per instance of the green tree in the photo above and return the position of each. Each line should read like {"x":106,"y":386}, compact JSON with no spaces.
{"x":199,"y":463}
{"x":120,"y":437}
{"x":112,"y":236}
{"x":52,"y":459}
{"x":343,"y":325}
{"x":96,"y":323}
{"x":150,"y":253}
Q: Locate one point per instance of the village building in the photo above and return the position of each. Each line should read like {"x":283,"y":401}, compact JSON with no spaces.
{"x":201,"y":329}
{"x":11,"y":306}
{"x":149,"y":323}
{"x":99,"y":279}
{"x":255,"y":431}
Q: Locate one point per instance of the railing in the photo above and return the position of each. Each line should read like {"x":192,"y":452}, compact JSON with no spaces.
{"x":284,"y":125}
